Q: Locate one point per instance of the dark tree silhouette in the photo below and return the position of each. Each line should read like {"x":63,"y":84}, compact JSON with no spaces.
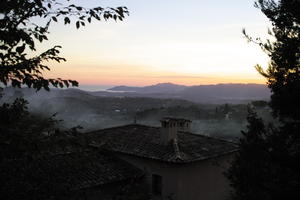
{"x":245,"y":179}
{"x":283,"y":73}
{"x":20,"y":130}
{"x":23,"y":135}
{"x":266,"y":166}
{"x":19,"y":35}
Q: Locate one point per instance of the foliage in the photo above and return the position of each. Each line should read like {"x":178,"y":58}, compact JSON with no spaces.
{"x":266,"y":165}
{"x":19,"y":35}
{"x":26,"y":134}
{"x":26,"y":137}
{"x":283,"y":73}
{"x":23,"y":24}
{"x":16,"y":127}
{"x":259,"y":103}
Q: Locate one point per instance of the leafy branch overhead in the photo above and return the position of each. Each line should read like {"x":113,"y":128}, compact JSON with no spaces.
{"x":19,"y":35}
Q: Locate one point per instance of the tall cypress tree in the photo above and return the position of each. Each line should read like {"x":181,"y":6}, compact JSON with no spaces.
{"x":267,"y":165}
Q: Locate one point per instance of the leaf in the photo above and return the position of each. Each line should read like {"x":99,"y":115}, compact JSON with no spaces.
{"x":77,"y":24}
{"x":97,"y":17}
{"x":61,"y":85}
{"x":54,"y":19}
{"x":67,"y":20}
{"x":20,"y":49}
{"x":73,"y":83}
{"x":89,"y":20}
{"x":66,"y":83}
{"x":3,"y":47}
{"x":46,"y":87}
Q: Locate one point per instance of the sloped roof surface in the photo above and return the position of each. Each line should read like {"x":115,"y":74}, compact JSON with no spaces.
{"x":71,"y":171}
{"x":144,"y":141}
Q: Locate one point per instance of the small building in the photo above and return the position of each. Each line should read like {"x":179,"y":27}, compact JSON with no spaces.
{"x":178,"y":164}
{"x":126,"y":162}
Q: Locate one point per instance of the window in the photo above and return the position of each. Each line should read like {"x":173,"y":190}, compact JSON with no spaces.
{"x":156,"y":184}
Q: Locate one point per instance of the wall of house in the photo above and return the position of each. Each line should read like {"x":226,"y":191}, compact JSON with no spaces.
{"x":127,"y":189}
{"x":199,"y":180}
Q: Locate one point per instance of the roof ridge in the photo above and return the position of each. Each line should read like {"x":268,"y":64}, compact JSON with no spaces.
{"x":206,"y":136}
{"x":144,"y":141}
{"x":115,"y":127}
{"x":176,"y":149}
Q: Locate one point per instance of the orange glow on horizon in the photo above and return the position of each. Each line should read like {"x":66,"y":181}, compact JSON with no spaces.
{"x":187,"y":82}
{"x":194,"y":47}
{"x":141,"y":76}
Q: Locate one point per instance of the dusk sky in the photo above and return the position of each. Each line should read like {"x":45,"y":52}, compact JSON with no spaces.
{"x":189,"y":42}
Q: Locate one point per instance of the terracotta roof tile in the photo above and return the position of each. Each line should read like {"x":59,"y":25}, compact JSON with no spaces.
{"x":75,"y":170}
{"x":144,"y":141}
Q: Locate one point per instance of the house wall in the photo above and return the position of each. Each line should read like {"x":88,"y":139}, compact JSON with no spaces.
{"x":192,"y":181}
{"x":127,"y":189}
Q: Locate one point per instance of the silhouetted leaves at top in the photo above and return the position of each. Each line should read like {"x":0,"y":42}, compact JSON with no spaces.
{"x":77,"y":24}
{"x":18,"y":36}
{"x":22,"y":134}
{"x":67,"y":20}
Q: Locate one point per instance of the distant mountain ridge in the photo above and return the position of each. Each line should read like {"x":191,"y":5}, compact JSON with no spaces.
{"x":212,"y":94}
{"x":227,"y":92}
{"x":123,"y":88}
{"x":200,"y":93}
{"x":158,"y":88}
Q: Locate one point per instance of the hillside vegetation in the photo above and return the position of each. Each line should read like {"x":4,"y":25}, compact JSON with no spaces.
{"x":76,"y":107}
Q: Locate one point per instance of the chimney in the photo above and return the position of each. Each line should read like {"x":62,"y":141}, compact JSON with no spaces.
{"x":171,"y":126}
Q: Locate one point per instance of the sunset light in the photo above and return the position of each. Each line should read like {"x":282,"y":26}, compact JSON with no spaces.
{"x":191,"y":43}
{"x":150,"y":100}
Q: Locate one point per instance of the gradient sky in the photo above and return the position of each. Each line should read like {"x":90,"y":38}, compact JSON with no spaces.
{"x":189,"y":42}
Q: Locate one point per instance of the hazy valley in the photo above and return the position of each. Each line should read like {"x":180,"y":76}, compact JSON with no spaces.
{"x":217,"y":110}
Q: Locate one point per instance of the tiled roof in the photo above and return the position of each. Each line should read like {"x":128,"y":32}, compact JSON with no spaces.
{"x":144,"y":141}
{"x":72,"y":171}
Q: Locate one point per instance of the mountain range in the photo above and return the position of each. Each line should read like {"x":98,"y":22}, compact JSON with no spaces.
{"x":212,"y":94}
{"x":231,"y":93}
{"x":158,"y":88}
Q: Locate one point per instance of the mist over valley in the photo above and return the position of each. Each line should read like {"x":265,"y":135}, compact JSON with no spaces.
{"x":216,"y":110}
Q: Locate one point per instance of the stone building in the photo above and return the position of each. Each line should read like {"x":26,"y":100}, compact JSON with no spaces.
{"x":127,"y":162}
{"x":178,"y":165}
